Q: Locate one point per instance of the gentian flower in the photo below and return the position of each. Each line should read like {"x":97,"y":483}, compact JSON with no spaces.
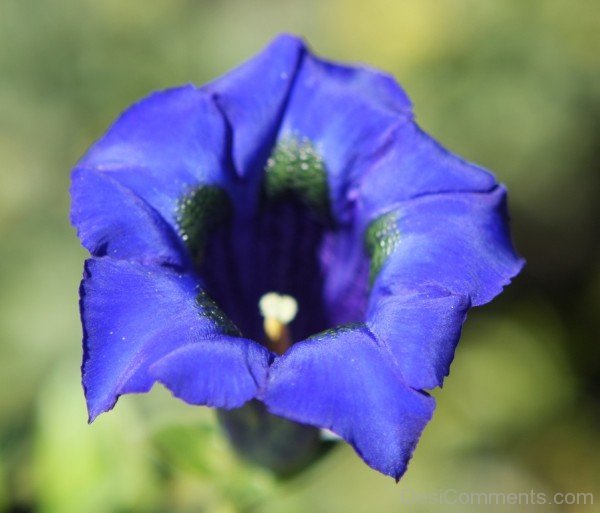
{"x":295,"y":176}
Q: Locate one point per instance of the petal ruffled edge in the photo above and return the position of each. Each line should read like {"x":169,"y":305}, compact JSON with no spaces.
{"x":225,"y":372}
{"x":113,"y":221}
{"x":421,"y":331}
{"x":345,"y":114}
{"x":254,"y":117}
{"x":458,"y":242}
{"x":135,"y":316}
{"x":414,"y":164}
{"x":344,"y":381}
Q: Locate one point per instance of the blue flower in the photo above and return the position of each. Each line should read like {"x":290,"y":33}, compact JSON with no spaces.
{"x":297,"y":176}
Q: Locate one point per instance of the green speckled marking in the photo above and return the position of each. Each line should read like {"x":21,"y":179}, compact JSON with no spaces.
{"x":211,"y":311}
{"x":199,"y":213}
{"x":336,"y":331}
{"x":381,"y":239}
{"x":295,"y":168}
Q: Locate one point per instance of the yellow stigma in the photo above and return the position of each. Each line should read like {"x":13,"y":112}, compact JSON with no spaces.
{"x":278,"y":311}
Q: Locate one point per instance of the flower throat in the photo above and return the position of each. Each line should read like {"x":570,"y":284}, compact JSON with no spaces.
{"x":276,"y":249}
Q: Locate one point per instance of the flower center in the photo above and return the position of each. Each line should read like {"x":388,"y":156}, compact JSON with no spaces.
{"x":283,"y":252}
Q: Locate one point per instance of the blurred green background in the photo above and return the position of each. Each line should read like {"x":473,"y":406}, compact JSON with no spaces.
{"x":511,"y":84}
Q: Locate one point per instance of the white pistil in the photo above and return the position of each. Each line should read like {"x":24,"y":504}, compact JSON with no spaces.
{"x":278,"y":311}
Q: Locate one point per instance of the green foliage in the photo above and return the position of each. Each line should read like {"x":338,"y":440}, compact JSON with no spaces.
{"x":100,"y":468}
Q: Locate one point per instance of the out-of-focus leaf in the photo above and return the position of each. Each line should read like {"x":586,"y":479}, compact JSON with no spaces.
{"x":39,"y":317}
{"x":201,"y":450}
{"x":104,"y":467}
{"x":3,"y":488}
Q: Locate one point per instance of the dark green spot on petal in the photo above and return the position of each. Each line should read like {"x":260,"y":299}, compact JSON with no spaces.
{"x":296,"y":169}
{"x":210,"y":310}
{"x":337,"y":331}
{"x":381,"y":239}
{"x":199,"y":213}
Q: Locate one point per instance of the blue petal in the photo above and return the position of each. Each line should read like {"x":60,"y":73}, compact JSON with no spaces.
{"x":224,"y":372}
{"x":253,"y":97}
{"x":421,"y":332}
{"x":112,"y":220}
{"x":163,"y":147}
{"x":134,"y":315}
{"x":414,"y":165}
{"x":347,"y":113}
{"x":345,"y":382}
{"x":457,"y":242}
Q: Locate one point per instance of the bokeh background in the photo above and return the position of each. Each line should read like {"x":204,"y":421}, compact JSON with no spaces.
{"x":511,"y":84}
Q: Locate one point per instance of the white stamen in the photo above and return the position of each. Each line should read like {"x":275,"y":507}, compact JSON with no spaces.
{"x":280,"y":307}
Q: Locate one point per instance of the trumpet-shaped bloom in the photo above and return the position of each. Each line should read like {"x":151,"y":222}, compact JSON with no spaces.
{"x":299,"y":176}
